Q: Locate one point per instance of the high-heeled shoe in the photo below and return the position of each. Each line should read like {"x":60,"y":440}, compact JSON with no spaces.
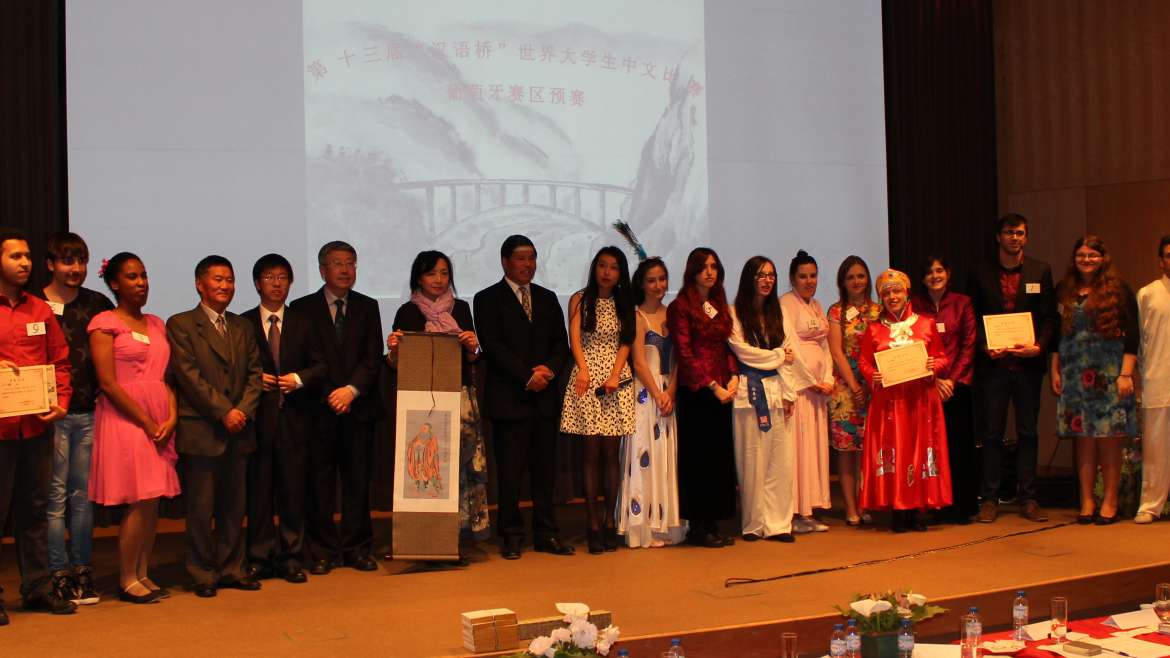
{"x":610,"y":539}
{"x":593,"y":539}
{"x":1105,"y":520}
{"x":1085,"y":519}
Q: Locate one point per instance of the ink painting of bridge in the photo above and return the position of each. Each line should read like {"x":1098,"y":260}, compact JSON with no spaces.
{"x":450,"y":130}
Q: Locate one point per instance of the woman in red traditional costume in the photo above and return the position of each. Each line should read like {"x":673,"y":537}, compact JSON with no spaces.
{"x":905,"y":466}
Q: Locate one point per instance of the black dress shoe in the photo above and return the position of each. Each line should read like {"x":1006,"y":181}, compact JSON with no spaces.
{"x":783,"y":538}
{"x":750,"y":537}
{"x":296,"y":576}
{"x":364,"y":563}
{"x":552,"y":545}
{"x":1105,"y":520}
{"x":247,"y":584}
{"x":204,"y":591}
{"x":510,"y":552}
{"x":1085,"y":519}
{"x":705,"y":539}
{"x":610,"y":539}
{"x":321,"y":567}
{"x":260,"y":572}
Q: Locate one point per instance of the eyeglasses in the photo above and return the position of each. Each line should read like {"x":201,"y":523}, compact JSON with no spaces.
{"x":1089,"y":257}
{"x":275,"y":278}
{"x":765,"y":276}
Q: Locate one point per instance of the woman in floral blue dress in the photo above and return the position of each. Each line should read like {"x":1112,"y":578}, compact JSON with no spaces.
{"x":1092,"y":372}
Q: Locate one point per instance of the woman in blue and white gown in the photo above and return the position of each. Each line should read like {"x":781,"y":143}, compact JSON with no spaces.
{"x":648,"y":512}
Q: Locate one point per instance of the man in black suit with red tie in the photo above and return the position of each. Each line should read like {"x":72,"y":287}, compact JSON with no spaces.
{"x":349,"y":329}
{"x":522,"y":332}
{"x":278,"y":469}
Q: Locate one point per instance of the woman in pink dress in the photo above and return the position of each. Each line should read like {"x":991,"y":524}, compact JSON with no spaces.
{"x":812,"y":371}
{"x":134,"y":423}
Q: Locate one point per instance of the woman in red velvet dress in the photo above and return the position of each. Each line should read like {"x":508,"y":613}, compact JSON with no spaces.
{"x":905,"y":466}
{"x":700,"y":323}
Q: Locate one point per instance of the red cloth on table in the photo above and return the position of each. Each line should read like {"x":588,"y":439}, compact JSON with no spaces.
{"x":1094,"y":627}
{"x":904,"y":464}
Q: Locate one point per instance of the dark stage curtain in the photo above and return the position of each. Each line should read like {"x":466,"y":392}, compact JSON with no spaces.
{"x":940,"y":132}
{"x":33,"y":189}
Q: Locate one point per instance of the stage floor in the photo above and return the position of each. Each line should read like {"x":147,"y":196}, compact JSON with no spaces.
{"x":412,"y":611}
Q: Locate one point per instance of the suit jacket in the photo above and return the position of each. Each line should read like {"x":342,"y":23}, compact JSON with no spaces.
{"x":513,"y":346}
{"x":212,"y":375}
{"x":354,"y":360}
{"x":300,"y":354}
{"x":987,"y":299}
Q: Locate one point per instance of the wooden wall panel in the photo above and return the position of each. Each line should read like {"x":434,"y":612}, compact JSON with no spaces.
{"x":1131,"y":218}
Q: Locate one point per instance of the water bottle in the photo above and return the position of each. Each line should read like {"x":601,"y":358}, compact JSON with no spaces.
{"x":852,"y":640}
{"x":676,"y":649}
{"x":1020,"y":616}
{"x":972,"y":633}
{"x":905,"y":640}
{"x":837,"y":641}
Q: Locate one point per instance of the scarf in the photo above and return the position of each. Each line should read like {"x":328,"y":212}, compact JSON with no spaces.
{"x":438,"y":312}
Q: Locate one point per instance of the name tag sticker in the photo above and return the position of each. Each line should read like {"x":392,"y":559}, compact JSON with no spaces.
{"x":851,"y":313}
{"x":710,"y":310}
{"x":941,"y":327}
{"x":35,"y":328}
{"x":57,"y":307}
{"x":142,"y":338}
{"x":1032,"y":288}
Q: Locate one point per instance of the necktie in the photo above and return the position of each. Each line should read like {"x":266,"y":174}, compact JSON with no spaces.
{"x":221,"y":326}
{"x":526,"y":302}
{"x":274,"y":347}
{"x":339,"y":318}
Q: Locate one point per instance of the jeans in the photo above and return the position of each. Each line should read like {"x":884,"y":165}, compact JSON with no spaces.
{"x":1000,"y":387}
{"x":72,"y":447}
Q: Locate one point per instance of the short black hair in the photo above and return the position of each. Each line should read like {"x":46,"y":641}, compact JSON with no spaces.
{"x":1012,"y":220}
{"x":269,"y":261}
{"x":1162,"y":244}
{"x":426,"y":261}
{"x":11,"y":233}
{"x":335,"y":245}
{"x":211,"y":261}
{"x":64,"y":244}
{"x":514,"y":242}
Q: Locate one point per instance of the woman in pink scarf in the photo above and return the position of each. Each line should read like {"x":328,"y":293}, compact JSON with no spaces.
{"x":433,"y":307}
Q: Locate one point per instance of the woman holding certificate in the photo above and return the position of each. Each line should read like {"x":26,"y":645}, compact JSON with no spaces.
{"x":812,"y":370}
{"x":1092,"y":372}
{"x":764,"y":452}
{"x":700,"y":324}
{"x":905,"y":467}
{"x":134,"y":454}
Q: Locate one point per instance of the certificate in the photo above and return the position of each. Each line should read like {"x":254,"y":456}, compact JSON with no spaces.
{"x":902,"y":364}
{"x":1007,"y":330}
{"x":31,"y":391}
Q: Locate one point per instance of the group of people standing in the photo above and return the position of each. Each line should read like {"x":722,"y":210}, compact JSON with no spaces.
{"x":686,"y":413}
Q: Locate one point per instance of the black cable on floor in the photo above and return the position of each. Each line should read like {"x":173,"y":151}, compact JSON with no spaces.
{"x":732,"y":582}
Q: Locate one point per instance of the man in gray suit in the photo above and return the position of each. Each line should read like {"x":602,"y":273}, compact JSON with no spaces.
{"x":216,"y":372}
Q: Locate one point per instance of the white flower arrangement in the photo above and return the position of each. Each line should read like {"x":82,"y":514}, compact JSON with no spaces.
{"x":581,"y":639}
{"x":883,"y":612}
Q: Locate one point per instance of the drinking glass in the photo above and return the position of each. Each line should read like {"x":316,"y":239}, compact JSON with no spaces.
{"x":788,"y":645}
{"x":1059,"y":618}
{"x":1162,"y":606}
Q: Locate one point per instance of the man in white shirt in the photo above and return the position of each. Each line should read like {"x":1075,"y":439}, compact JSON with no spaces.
{"x":1154,"y":312}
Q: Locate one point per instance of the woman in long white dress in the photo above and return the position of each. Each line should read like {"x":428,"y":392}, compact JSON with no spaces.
{"x":648,"y":515}
{"x":765,"y":452}
{"x":806,"y":323}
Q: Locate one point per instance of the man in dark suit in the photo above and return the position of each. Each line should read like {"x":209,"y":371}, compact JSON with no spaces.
{"x":348,"y":326}
{"x":278,"y":469}
{"x":1012,"y":284}
{"x":215,"y":370}
{"x":522,"y":333}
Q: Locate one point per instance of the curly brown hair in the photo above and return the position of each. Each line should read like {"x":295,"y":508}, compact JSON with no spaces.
{"x":1106,"y":300}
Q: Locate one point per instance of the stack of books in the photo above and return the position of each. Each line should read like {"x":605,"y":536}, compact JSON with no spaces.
{"x":490,"y":630}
